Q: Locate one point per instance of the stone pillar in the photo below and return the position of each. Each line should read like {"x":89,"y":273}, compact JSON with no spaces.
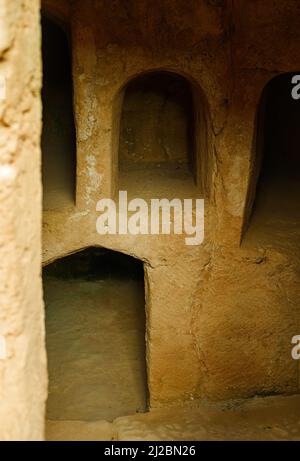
{"x":22,"y":356}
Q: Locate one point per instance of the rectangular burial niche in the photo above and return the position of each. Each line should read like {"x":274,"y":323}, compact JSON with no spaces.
{"x":157,"y":139}
{"x":95,"y":336}
{"x":58,"y":133}
{"x":275,"y":218}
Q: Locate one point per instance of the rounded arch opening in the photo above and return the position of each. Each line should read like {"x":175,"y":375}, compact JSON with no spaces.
{"x":58,"y":131}
{"x":161,"y":135}
{"x":95,"y":336}
{"x":272,"y":215}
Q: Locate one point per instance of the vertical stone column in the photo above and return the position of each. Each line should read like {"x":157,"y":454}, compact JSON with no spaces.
{"x":96,"y":110}
{"x":22,"y":355}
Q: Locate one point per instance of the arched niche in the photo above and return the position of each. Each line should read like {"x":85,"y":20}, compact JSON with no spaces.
{"x":95,"y":336}
{"x":161,"y":140}
{"x":58,"y":131}
{"x":272,"y":213}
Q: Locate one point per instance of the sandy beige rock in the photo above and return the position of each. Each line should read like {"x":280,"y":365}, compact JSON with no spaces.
{"x":23,"y":371}
{"x":220,"y":317}
{"x":273,"y":418}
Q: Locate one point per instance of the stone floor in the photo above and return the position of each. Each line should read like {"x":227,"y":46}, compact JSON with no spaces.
{"x":270,"y":418}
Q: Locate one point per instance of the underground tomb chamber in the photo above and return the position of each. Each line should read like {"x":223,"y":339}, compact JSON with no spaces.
{"x":157,"y":142}
{"x":95,"y":336}
{"x":275,"y":184}
{"x":58,"y":142}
